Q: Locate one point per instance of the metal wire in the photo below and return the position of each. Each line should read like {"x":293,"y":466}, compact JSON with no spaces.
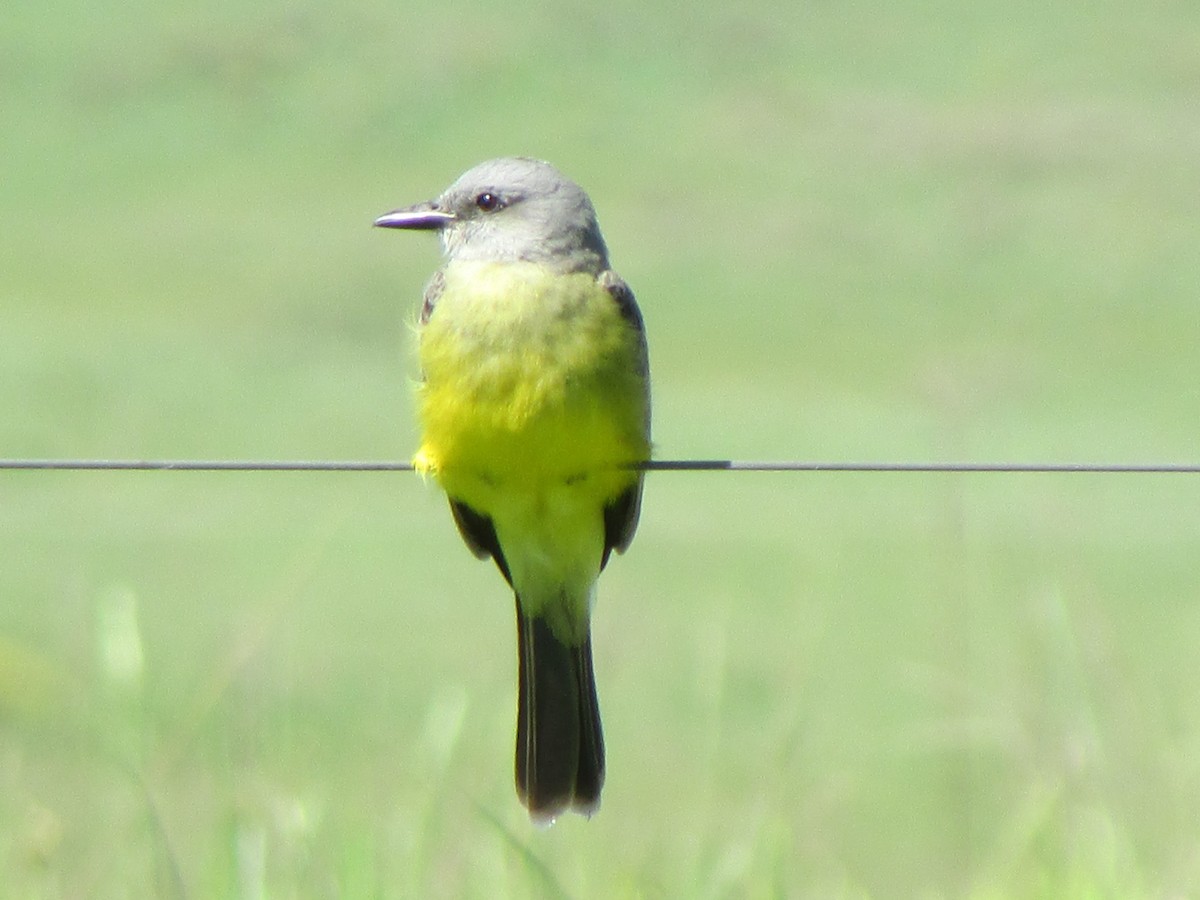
{"x":207,"y":465}
{"x":658,"y":465}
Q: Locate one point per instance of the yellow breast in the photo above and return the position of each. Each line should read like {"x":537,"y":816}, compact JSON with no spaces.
{"x":531,"y":378}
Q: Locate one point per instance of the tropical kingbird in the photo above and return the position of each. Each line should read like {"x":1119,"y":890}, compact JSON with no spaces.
{"x":534,"y":402}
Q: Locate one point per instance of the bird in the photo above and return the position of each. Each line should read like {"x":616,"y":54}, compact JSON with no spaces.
{"x":534,"y":407}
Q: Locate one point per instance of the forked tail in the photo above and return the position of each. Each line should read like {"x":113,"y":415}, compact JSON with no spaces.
{"x":560,"y":747}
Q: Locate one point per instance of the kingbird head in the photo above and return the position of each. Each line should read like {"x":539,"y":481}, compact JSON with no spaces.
{"x":508,"y":210}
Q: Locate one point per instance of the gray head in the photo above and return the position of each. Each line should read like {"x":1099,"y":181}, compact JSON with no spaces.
{"x":512,"y":209}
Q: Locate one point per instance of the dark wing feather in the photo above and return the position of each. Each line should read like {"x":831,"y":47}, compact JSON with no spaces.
{"x":480,"y":534}
{"x":433,"y":291}
{"x":620,"y":520}
{"x":621,"y":515}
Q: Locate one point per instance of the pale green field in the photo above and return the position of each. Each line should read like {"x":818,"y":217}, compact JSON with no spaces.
{"x":893,"y":231}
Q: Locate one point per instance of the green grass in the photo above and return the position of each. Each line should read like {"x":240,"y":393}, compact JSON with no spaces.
{"x":913,"y":231}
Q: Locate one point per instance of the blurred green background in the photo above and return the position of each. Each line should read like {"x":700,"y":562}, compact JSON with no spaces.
{"x":859,"y":231}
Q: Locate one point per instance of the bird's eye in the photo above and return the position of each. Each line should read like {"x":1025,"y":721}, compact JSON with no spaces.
{"x":489,"y":202}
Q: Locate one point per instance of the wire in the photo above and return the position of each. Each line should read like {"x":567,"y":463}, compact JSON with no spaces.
{"x":657,"y":465}
{"x":206,"y":465}
{"x":812,"y":466}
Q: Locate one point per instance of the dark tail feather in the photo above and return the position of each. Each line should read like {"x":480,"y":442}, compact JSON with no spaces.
{"x":560,"y":747}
